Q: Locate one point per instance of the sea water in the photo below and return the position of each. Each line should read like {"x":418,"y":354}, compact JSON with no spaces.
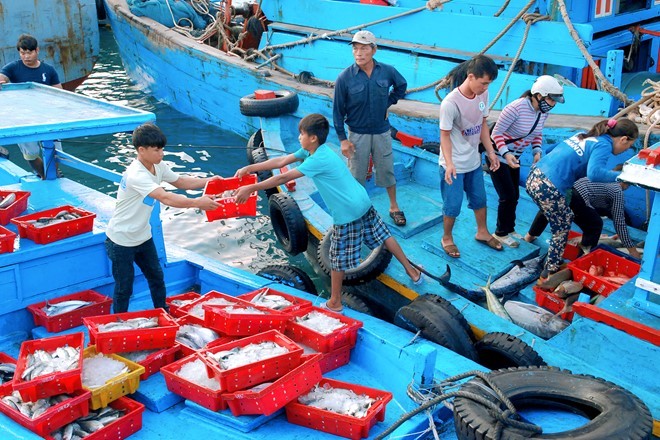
{"x":193,"y":148}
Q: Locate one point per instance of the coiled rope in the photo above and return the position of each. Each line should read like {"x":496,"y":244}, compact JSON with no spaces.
{"x":646,"y":110}
{"x":436,"y":393}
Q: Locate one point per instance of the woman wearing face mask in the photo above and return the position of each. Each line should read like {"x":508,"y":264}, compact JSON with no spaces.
{"x":519,"y":125}
{"x":585,"y":154}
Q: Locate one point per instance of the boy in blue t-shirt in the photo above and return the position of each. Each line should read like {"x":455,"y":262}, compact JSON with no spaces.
{"x":352,"y":213}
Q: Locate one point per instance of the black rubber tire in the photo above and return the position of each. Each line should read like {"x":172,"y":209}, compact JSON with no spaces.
{"x":291,"y":276}
{"x":614,"y":412}
{"x":437,"y":325}
{"x":288,"y":223}
{"x":285,"y":102}
{"x":100,"y":10}
{"x":438,"y":302}
{"x":431,"y":147}
{"x":501,"y":350}
{"x":354,"y":302}
{"x":372,"y":266}
{"x":259,"y":155}
{"x":255,"y":142}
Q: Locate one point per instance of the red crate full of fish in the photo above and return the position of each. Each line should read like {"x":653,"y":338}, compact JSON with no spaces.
{"x":341,"y":424}
{"x":222,"y":189}
{"x":54,"y":224}
{"x":7,"y":239}
{"x":246,"y":376}
{"x":346,"y":335}
{"x":158,"y":330}
{"x":119,"y":426}
{"x":552,"y":302}
{"x":267,"y":297}
{"x":210,"y":398}
{"x":602,"y":271}
{"x":32,"y":385}
{"x":196,"y":311}
{"x":176,"y":302}
{"x":271,"y":397}
{"x":60,"y":411}
{"x":244,"y":319}
{"x":68,"y":311}
{"x":12,"y":203}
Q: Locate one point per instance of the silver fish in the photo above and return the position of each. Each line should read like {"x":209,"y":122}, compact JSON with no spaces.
{"x":129,"y":324}
{"x":32,"y":410}
{"x":535,"y":319}
{"x":64,"y":307}
{"x":195,"y":336}
{"x":251,"y":353}
{"x":92,"y":422}
{"x":338,"y":400}
{"x":8,"y":200}
{"x":42,"y":362}
{"x":494,"y":304}
{"x":276,"y":302}
{"x":320,"y":322}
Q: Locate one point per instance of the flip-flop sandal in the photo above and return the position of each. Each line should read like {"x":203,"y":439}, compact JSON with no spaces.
{"x":491,"y":243}
{"x":451,"y":250}
{"x":324,"y":306}
{"x":399,"y":218}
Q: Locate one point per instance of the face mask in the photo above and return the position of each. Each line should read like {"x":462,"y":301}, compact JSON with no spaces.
{"x":544,"y":106}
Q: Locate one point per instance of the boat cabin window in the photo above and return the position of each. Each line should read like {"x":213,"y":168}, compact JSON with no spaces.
{"x":632,"y":5}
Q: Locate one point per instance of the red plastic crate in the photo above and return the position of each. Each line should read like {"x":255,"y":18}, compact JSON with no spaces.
{"x":65,"y":382}
{"x":54,"y":324}
{"x":54,"y":418}
{"x":339,"y":424}
{"x":7,"y":239}
{"x":345,"y":336}
{"x":16,"y":208}
{"x":222,"y":320}
{"x":247,"y":376}
{"x":132,"y":340}
{"x":297,"y":303}
{"x":184,"y":350}
{"x":176,"y":310}
{"x":206,"y":297}
{"x":552,"y":302}
{"x":571,"y":251}
{"x":228,"y":206}
{"x":57,"y":231}
{"x":610,"y":262}
{"x":335,"y":359}
{"x":128,"y":424}
{"x":276,"y":395}
{"x":205,"y":397}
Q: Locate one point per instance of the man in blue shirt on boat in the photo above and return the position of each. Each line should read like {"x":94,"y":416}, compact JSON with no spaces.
{"x":362,"y":97}
{"x":30,"y":69}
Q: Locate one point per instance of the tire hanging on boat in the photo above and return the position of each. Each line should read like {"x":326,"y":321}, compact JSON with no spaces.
{"x":285,"y":102}
{"x":431,"y":147}
{"x":438,"y":302}
{"x":255,"y":142}
{"x":368,"y":269}
{"x":288,"y":223}
{"x":443,"y":325}
{"x":353,"y":301}
{"x":259,"y":155}
{"x":288,"y":275}
{"x":613,"y":411}
{"x":501,"y":350}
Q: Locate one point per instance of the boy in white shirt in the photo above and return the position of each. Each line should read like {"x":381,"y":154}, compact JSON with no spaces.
{"x":129,"y":232}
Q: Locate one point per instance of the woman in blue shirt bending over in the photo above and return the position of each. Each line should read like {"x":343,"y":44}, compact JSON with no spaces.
{"x":585,"y":154}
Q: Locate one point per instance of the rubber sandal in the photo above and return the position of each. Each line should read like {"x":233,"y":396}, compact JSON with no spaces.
{"x":420,"y":280}
{"x":451,"y":250}
{"x":491,"y":243}
{"x":506,"y":240}
{"x":399,"y":218}
{"x":324,"y":306}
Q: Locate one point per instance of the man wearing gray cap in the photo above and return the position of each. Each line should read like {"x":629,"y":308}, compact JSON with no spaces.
{"x":362,"y":97}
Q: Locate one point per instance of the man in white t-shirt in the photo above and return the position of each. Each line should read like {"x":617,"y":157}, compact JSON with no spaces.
{"x":462,"y":126}
{"x":129,"y":232}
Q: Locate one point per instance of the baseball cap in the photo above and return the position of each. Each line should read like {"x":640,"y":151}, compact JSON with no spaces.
{"x":364,"y":37}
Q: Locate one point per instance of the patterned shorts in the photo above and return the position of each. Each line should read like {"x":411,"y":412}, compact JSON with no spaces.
{"x":347,"y":239}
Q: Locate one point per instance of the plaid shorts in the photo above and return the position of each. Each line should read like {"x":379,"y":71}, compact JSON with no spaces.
{"x":347,"y":239}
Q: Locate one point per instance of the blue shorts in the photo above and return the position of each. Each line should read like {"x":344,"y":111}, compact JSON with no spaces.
{"x":472,"y":183}
{"x":347,"y":239}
